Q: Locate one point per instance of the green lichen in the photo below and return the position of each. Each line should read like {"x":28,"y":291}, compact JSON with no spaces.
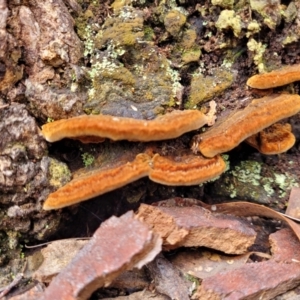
{"x":252,"y":28}
{"x":59,"y":173}
{"x":248,"y":172}
{"x":246,"y":181}
{"x":13,"y":239}
{"x":285,"y":182}
{"x":270,"y":11}
{"x":125,"y":29}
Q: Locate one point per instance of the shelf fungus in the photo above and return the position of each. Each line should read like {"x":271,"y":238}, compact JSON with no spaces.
{"x":275,"y":78}
{"x":186,"y":169}
{"x":169,"y":126}
{"x":275,"y":139}
{"x":96,"y":183}
{"x":258,"y":115}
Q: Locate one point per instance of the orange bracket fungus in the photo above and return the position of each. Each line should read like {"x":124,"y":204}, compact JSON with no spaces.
{"x":275,"y":78}
{"x":187,"y":170}
{"x":275,"y":139}
{"x":98,"y":182}
{"x":169,"y":126}
{"x":261,"y":113}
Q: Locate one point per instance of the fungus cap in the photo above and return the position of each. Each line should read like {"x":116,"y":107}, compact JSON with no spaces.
{"x":283,"y":76}
{"x":276,"y":139}
{"x":164,"y":127}
{"x":187,"y":169}
{"x":259,"y":114}
{"x":98,"y":182}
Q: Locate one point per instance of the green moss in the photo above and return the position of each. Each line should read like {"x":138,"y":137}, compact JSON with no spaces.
{"x":149,"y":34}
{"x":223,"y":3}
{"x":88,"y":159}
{"x":173,"y":21}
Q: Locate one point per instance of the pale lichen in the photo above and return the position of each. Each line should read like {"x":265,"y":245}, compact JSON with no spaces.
{"x":229,"y":19}
{"x":246,"y":181}
{"x":258,"y":50}
{"x":59,"y":173}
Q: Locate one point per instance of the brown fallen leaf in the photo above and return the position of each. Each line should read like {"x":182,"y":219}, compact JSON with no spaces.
{"x":56,"y":256}
{"x":293,"y":207}
{"x":250,"y":209}
{"x":118,"y":244}
{"x":195,"y":226}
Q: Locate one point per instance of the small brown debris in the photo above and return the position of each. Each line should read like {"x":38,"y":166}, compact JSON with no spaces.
{"x":276,"y":139}
{"x":283,"y":76}
{"x":132,"y":280}
{"x":169,"y":126}
{"x":196,"y":226}
{"x":145,"y":295}
{"x":211,"y":115}
{"x":293,"y":208}
{"x":98,"y":182}
{"x":186,"y":169}
{"x":201,"y":263}
{"x":261,"y":113}
{"x":162,"y":271}
{"x":118,"y":245}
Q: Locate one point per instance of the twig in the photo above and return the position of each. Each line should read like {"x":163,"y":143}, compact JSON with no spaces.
{"x":15,"y":282}
{"x":3,"y":106}
{"x":47,"y":243}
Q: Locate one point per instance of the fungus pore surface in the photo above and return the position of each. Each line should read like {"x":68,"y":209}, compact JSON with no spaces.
{"x":276,"y":139}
